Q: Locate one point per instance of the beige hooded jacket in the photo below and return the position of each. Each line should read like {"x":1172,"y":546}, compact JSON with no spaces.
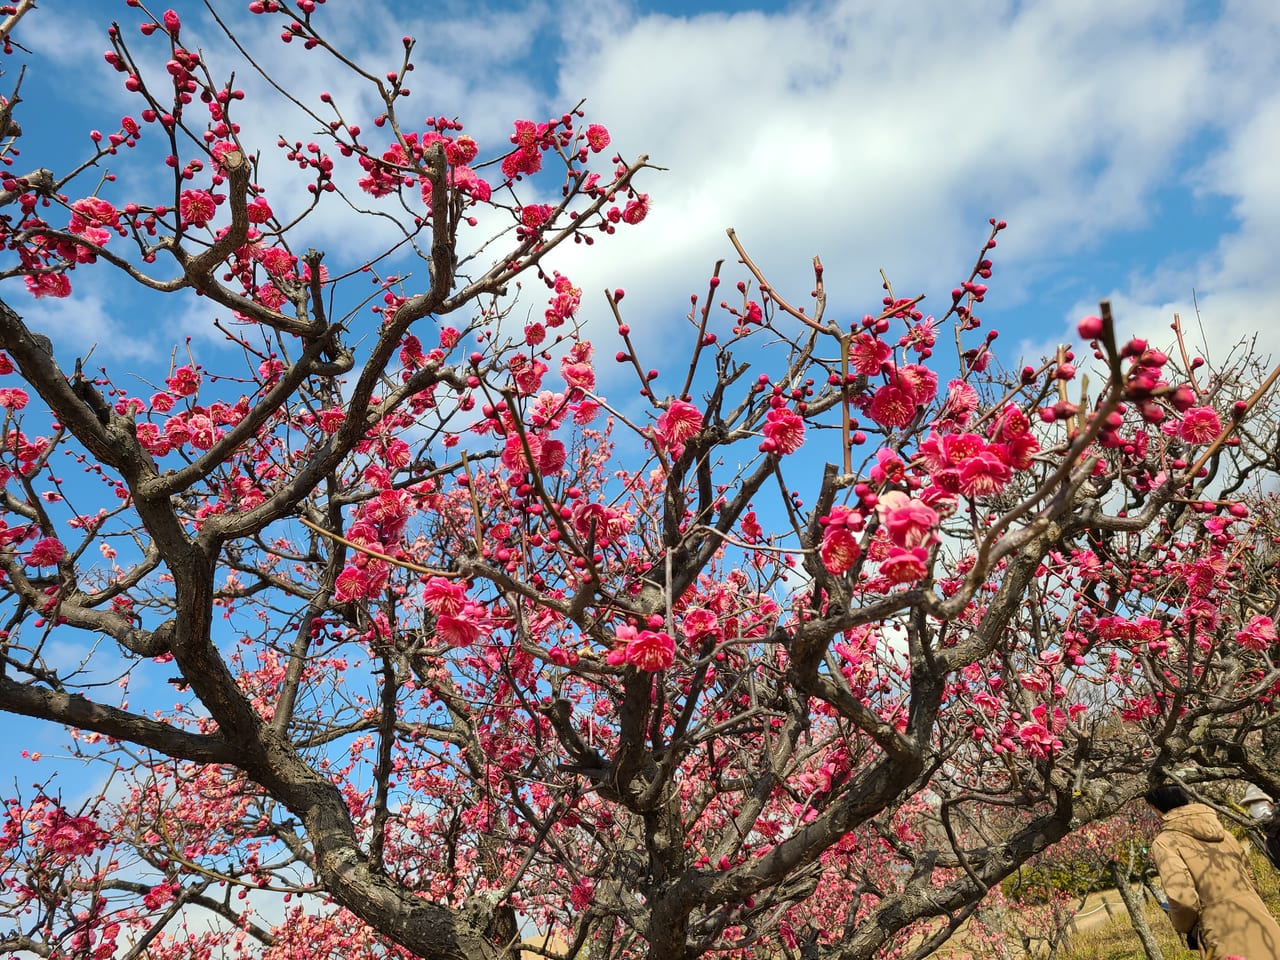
{"x":1207,"y":879}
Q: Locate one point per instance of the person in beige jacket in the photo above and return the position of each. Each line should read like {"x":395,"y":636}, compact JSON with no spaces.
{"x":1213,"y":899}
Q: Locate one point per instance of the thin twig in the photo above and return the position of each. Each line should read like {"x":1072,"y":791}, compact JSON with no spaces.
{"x":405,"y":564}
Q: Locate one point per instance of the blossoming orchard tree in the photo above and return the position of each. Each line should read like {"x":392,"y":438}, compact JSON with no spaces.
{"x":454,"y":651}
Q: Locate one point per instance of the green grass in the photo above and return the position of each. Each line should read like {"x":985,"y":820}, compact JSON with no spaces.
{"x":1117,"y":939}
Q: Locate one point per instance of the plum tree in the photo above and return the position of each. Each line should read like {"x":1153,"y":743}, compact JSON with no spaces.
{"x":781,"y":644}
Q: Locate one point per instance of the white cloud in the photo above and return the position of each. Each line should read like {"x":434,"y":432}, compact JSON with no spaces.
{"x":60,"y":38}
{"x":883,"y":135}
{"x":876,"y":135}
{"x":89,"y":325}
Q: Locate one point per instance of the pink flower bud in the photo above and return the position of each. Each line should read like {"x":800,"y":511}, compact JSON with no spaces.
{"x":1090,"y":327}
{"x":1134,"y":348}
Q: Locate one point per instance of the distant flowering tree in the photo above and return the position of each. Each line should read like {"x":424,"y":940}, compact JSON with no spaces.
{"x":402,"y":636}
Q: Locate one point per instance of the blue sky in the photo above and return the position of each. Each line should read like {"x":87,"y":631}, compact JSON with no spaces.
{"x":1131,"y":146}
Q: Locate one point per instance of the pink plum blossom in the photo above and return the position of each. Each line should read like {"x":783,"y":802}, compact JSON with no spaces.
{"x":647,"y":650}
{"x":444,"y":597}
{"x":892,"y":406}
{"x":909,"y":522}
{"x":1038,"y":741}
{"x":840,"y":550}
{"x":783,"y":431}
{"x":46,"y":552}
{"x":905,"y":565}
{"x":868,"y":354}
{"x":1259,"y":634}
{"x":1200,"y":425}
{"x":676,"y":425}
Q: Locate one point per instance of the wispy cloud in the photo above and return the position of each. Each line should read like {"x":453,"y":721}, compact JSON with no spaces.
{"x":91,"y":325}
{"x":882,"y":135}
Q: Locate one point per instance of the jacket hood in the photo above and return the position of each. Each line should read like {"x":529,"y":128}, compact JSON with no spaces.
{"x":1195,"y":820}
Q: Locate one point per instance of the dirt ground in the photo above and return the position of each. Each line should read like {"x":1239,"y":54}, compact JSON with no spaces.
{"x":1099,"y":909}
